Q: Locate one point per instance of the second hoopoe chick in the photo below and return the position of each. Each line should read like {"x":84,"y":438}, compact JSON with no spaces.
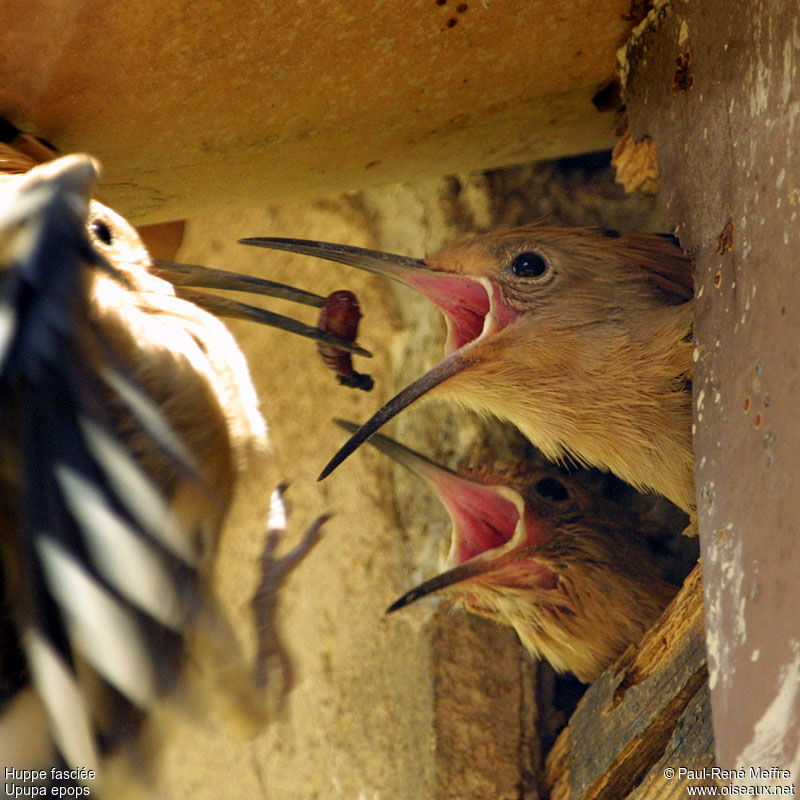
{"x":531,"y":548}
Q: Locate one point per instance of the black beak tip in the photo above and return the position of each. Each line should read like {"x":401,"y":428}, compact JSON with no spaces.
{"x":408,"y":598}
{"x":397,"y":605}
{"x":347,"y":449}
{"x":330,"y":467}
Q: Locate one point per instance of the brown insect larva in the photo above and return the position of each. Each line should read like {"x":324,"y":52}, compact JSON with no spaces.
{"x":340,"y":315}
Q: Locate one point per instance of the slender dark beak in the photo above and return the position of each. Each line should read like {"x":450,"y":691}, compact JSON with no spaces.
{"x":471,"y":304}
{"x":462,"y":572}
{"x":446,"y":369}
{"x":410,"y":459}
{"x":187,"y":277}
{"x":512,"y":566}
{"x":468,"y":303}
{"x":386,"y":264}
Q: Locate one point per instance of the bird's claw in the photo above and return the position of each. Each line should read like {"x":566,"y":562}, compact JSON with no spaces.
{"x":269,"y":647}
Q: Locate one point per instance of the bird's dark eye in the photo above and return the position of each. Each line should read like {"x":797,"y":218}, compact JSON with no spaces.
{"x":101,"y":231}
{"x":552,"y":489}
{"x":529,"y":265}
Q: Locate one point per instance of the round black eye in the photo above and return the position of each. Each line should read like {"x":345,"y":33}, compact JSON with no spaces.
{"x":101,"y":231}
{"x":529,"y":265}
{"x":552,"y":489}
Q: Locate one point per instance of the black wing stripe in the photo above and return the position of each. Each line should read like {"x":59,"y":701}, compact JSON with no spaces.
{"x":66,"y":709}
{"x":104,"y":630}
{"x":124,"y":558}
{"x":136,"y":492}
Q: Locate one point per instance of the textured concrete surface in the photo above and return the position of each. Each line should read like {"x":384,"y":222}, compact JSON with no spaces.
{"x":717,"y":89}
{"x":196,"y":105}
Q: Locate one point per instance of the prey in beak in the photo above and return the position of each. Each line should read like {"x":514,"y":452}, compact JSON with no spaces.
{"x":580,"y":337}
{"x":187,"y":278}
{"x":473,"y":307}
{"x":538,"y":551}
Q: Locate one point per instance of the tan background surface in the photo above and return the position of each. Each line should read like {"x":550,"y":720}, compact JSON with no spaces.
{"x":426,"y":703}
{"x":196,"y":105}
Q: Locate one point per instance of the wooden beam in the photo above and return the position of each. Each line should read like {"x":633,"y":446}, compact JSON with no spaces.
{"x":628,"y":719}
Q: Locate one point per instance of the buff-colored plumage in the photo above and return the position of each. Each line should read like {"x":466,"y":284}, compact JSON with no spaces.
{"x":580,"y":337}
{"x":606,"y":595}
{"x":598,"y":366}
{"x":187,"y":363}
{"x":570,"y":571}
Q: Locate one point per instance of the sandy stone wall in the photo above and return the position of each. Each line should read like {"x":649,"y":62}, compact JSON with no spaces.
{"x":426,"y":703}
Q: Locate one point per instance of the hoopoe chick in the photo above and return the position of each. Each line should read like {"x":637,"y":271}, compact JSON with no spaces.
{"x":579,"y":337}
{"x":126,"y":414}
{"x":531,"y":548}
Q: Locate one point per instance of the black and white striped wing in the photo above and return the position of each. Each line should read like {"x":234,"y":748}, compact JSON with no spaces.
{"x":100,"y":577}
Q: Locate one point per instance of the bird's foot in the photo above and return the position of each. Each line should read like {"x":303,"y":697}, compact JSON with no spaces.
{"x":270,"y":649}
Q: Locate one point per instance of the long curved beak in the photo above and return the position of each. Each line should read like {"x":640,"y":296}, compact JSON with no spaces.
{"x":473,"y":307}
{"x":187,"y":277}
{"x":412,"y":460}
{"x":387,"y":264}
{"x":511,"y":566}
{"x":462,"y":572}
{"x":471,"y":304}
{"x":446,"y":369}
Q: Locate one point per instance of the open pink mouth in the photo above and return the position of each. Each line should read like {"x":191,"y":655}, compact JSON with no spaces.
{"x":463,"y":301}
{"x":474,"y":307}
{"x":495,"y":532}
{"x":488,"y":545}
{"x":482,"y":519}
